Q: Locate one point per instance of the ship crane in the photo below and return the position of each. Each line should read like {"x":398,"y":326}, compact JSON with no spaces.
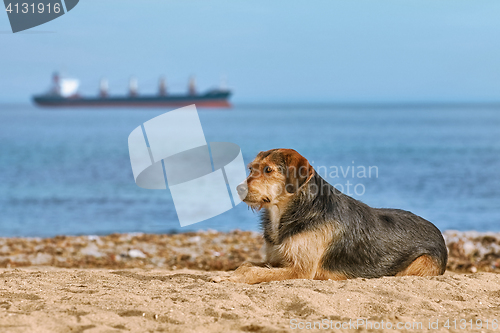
{"x":133,"y":87}
{"x":56,"y":89}
{"x":103,"y":88}
{"x":162,"y":87}
{"x":192,"y":86}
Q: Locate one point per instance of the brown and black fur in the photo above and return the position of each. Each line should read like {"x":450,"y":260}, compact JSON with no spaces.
{"x":313,"y":231}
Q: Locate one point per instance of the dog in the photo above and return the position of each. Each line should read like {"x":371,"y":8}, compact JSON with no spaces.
{"x":313,"y":231}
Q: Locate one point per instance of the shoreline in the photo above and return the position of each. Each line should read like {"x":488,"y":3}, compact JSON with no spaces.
{"x":469,"y":251}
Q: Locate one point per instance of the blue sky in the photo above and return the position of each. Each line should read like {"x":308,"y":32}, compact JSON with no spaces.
{"x":269,"y":51}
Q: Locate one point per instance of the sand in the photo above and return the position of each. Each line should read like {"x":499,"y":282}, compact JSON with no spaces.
{"x":162,"y":283}
{"x":45,"y":299}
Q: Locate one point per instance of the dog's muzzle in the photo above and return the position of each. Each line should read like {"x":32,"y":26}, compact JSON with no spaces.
{"x":242,"y":191}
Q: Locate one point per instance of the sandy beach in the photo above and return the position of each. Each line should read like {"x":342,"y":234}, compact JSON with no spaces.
{"x":136,"y":300}
{"x":162,"y":283}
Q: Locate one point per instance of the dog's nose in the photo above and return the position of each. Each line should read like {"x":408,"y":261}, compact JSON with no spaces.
{"x":242,"y":189}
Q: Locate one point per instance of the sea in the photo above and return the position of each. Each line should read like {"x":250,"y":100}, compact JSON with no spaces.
{"x":68,"y":172}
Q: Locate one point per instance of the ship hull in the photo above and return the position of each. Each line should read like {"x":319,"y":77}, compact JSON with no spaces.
{"x":214,"y":100}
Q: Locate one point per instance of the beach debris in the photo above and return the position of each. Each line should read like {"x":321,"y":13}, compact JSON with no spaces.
{"x":473,"y":251}
{"x":91,"y":250}
{"x":469,"y":251}
{"x":42,"y":259}
{"x":133,"y":253}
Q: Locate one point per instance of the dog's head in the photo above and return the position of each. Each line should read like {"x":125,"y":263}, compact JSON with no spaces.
{"x":275,"y":175}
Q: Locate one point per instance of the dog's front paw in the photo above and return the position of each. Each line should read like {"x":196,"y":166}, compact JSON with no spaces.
{"x":241,"y":275}
{"x":245,"y":274}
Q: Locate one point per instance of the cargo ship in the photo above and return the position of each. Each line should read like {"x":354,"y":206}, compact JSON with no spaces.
{"x":64,"y":93}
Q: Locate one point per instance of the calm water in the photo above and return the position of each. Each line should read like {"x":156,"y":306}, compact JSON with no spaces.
{"x":68,"y":172}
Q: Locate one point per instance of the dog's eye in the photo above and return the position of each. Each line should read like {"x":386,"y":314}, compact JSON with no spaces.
{"x":267,"y":169}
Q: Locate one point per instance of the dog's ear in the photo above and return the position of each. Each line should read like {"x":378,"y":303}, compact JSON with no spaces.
{"x":298,"y":171}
